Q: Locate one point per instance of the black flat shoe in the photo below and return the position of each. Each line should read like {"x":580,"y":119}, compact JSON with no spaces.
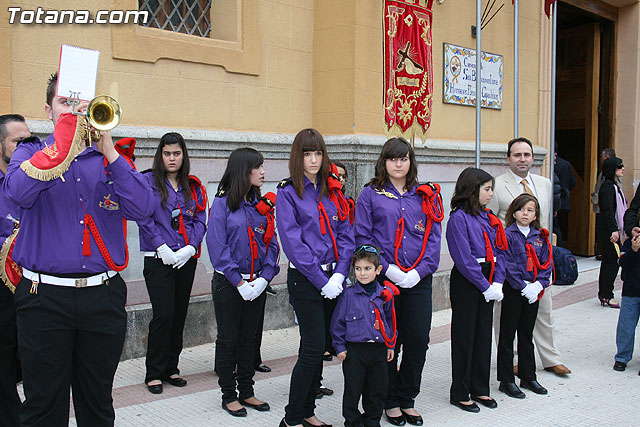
{"x":511,"y":390}
{"x":327,"y":357}
{"x":489,"y":403}
{"x":396,"y":421}
{"x":242,"y":412}
{"x":155,"y":389}
{"x":414,"y":420}
{"x":469,"y":408}
{"x":325,"y":390}
{"x":263,"y":368}
{"x":262,"y":407}
{"x":619,"y":366}
{"x":534,"y":386}
{"x":178,"y":382}
{"x":306,"y":423}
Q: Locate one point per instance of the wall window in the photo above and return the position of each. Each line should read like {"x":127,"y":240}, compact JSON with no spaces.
{"x":180,"y":16}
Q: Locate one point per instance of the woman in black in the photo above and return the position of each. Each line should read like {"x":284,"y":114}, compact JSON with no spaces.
{"x":610,"y":234}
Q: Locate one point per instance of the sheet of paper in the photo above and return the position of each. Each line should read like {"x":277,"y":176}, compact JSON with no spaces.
{"x":78,"y":72}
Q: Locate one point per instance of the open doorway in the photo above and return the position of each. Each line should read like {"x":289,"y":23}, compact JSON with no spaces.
{"x":584,"y":111}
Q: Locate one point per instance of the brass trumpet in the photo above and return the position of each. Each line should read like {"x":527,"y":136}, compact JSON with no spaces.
{"x":103,"y":113}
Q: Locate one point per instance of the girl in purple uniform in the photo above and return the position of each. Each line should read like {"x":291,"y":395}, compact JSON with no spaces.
{"x":528,"y":265}
{"x":244,"y":252}
{"x":318,"y":240}
{"x":474,"y":236}
{"x":403,"y":219}
{"x":170,"y":239}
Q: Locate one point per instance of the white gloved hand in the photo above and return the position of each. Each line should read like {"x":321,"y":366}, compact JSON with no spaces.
{"x":259,"y":285}
{"x":184,"y":255}
{"x":166,"y":254}
{"x":331,"y":290}
{"x":410,"y":281}
{"x":337,"y":278}
{"x":531,"y":291}
{"x":497,"y":286}
{"x":394,"y":273}
{"x":247,"y":291}
{"x":492,"y":293}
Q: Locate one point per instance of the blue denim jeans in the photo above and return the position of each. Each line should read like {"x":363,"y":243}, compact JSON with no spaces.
{"x":625,"y":333}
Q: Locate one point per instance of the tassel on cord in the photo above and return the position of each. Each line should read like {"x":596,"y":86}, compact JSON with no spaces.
{"x":86,"y":238}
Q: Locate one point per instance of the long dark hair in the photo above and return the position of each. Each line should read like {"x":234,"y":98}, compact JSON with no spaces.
{"x":609,"y":167}
{"x":517,"y":204}
{"x":160,"y":174}
{"x":466,"y":195}
{"x":308,"y":140}
{"x":392,"y":149}
{"x":235,"y":180}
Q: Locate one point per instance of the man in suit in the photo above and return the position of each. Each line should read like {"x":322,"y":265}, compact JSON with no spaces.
{"x":508,"y":186}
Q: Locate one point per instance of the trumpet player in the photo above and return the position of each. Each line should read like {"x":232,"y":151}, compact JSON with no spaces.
{"x":71,"y":246}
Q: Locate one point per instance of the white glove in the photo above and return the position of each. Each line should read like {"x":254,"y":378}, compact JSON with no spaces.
{"x":259,"y":285}
{"x":337,"y":278}
{"x":394,"y":273}
{"x":497,"y":286}
{"x":531,"y":291}
{"x":168,"y":256}
{"x":247,"y":291}
{"x":493,"y":293}
{"x":331,"y":290}
{"x":410,"y":281}
{"x":184,"y":255}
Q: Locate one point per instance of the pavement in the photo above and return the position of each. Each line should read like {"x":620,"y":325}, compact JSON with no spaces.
{"x":594,"y":394}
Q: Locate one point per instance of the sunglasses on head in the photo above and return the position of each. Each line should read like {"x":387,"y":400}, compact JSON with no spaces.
{"x":367,"y":248}
{"x":620,"y":166}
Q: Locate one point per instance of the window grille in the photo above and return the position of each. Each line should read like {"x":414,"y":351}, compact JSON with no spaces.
{"x":181,"y":16}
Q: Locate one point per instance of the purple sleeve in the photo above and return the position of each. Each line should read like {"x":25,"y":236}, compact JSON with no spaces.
{"x":136,"y":197}
{"x":346,"y":246}
{"x":294,"y":247}
{"x":513,"y":262}
{"x":431,"y":258}
{"x":363,"y":225}
{"x":217,"y":237}
{"x":460,"y":251}
{"x":270,"y":265}
{"x":338,"y":324}
{"x":150,"y":232}
{"x":19,"y":187}
{"x":544,"y":275}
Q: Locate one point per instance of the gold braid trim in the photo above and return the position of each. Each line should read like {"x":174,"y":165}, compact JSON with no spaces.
{"x":4,"y":253}
{"x":79,"y":138}
{"x":414,"y":131}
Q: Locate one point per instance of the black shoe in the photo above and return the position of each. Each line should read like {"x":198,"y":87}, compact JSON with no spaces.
{"x":325,"y":390}
{"x":178,"y":382}
{"x":242,"y":412}
{"x":511,"y":389}
{"x":319,"y":394}
{"x":155,"y":389}
{"x":469,"y":408}
{"x":270,"y":290}
{"x":262,"y":407}
{"x":534,"y":386}
{"x":414,"y":420}
{"x":327,"y":357}
{"x":599,"y":257}
{"x":306,"y":423}
{"x":619,"y":366}
{"x":489,"y":403}
{"x":396,"y":421}
{"x":263,"y":368}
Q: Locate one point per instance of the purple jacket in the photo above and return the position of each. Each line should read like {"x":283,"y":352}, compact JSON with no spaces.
{"x":52,"y":212}
{"x":376,"y":222}
{"x":466,"y":244}
{"x":228,"y":241}
{"x":8,"y":211}
{"x":303,"y":243}
{"x":157,"y":230}
{"x":354,"y":317}
{"x":516,"y":258}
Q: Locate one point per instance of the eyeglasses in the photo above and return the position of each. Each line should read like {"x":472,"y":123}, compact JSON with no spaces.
{"x":175,"y":219}
{"x":367,"y":248}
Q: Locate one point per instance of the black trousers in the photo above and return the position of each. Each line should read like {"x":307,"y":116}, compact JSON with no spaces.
{"x":609,"y":265}
{"x":517,"y":316}
{"x":169,"y":290}
{"x":257,"y":357}
{"x":9,"y":363}
{"x":471,"y":322}
{"x":413,"y":315}
{"x":307,"y":303}
{"x":237,"y":321}
{"x":70,"y":337}
{"x":365,"y":374}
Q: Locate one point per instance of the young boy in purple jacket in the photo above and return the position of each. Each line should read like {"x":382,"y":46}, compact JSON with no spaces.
{"x":363,"y":332}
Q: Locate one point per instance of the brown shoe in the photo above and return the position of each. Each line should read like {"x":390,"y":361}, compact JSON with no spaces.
{"x":558,"y":369}
{"x":515,"y":370}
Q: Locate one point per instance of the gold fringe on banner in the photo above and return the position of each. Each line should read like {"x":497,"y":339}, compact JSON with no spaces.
{"x":77,"y":145}
{"x":4,"y":253}
{"x":414,"y":131}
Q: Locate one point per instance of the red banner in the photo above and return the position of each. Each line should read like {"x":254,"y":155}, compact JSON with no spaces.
{"x":408,"y":68}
